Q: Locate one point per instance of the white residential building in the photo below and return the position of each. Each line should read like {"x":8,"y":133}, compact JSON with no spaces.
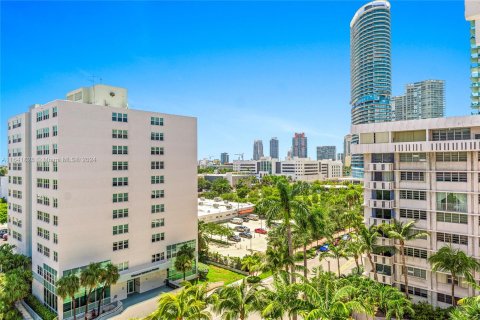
{"x":101,"y":183}
{"x":428,"y":171}
{"x":331,"y":169}
{"x":219,"y":210}
{"x":301,"y":169}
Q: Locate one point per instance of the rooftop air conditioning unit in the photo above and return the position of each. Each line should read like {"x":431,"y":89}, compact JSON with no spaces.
{"x":216,"y":205}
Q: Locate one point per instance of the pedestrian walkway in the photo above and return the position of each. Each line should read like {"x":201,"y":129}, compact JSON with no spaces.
{"x":140,"y":305}
{"x":25,"y":314}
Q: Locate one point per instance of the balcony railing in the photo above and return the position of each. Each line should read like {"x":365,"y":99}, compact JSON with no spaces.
{"x":380,"y":166}
{"x":381,"y":185}
{"x":381,"y":204}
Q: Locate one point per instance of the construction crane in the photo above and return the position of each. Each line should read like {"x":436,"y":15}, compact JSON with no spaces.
{"x":240,"y":156}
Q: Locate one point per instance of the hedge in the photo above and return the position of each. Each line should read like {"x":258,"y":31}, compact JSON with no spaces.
{"x":39,"y":308}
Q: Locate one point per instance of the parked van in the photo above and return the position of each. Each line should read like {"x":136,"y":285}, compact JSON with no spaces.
{"x":237,"y":221}
{"x":253,"y":217}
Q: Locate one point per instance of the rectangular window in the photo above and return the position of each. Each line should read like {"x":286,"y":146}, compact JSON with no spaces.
{"x":451,"y":176}
{"x":414,"y":252}
{"x":158,"y":257}
{"x":448,"y":201}
{"x":120,"y":182}
{"x":156,"y":121}
{"x":415,"y":291}
{"x":55,"y":202}
{"x":55,"y":131}
{"x":452,"y":238}
{"x":412,"y":176}
{"x":413,"y":214}
{"x":119,"y":134}
{"x":452,"y":217}
{"x":55,"y":166}
{"x":158,"y":208}
{"x":156,"y":165}
{"x":157,"y":151}
{"x":122,"y":266}
{"x":55,"y":238}
{"x":451,"y":156}
{"x":55,"y":148}
{"x":120,"y":213}
{"x":55,"y":220}
{"x":383,"y":269}
{"x":120,"y":245}
{"x":55,"y":256}
{"x":120,"y":197}
{"x":157,"y":179}
{"x":445,"y":298}
{"x":120,"y":229}
{"x":158,"y":237}
{"x":119,"y":117}
{"x":413,"y":195}
{"x":156,"y":136}
{"x":413,"y":157}
{"x":119,"y":149}
{"x":55,"y":184}
{"x":54,"y":112}
{"x":416,"y":272}
{"x":158,"y":194}
{"x":451,"y":134}
{"x":120,"y":165}
{"x":156,"y":223}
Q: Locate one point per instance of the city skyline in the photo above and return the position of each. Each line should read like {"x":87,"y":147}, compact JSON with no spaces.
{"x":172,"y":71}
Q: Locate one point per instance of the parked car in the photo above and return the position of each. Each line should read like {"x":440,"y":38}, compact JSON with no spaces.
{"x":324,"y":248}
{"x":242,"y":229}
{"x":261,"y":231}
{"x":234,"y":238}
{"x":245,"y":219}
{"x":253,"y":217}
{"x":247,"y":235}
{"x":2,"y":232}
{"x":346,"y":237}
{"x":237,"y":221}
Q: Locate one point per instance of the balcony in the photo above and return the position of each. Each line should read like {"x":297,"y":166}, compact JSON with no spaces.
{"x":378,"y":221}
{"x":380,"y":167}
{"x":381,"y":185}
{"x":382,"y":278}
{"x":381,"y":204}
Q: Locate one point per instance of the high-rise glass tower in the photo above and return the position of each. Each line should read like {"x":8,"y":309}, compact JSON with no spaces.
{"x":472,"y":14}
{"x":299,"y":145}
{"x":224,"y":158}
{"x":274,"y":148}
{"x":370,"y":69}
{"x":257,"y":149}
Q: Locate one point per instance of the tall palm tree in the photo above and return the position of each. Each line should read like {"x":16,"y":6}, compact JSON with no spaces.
{"x":203,"y":238}
{"x":285,"y":207}
{"x":368,"y":240}
{"x":251,"y":264}
{"x":109,"y":276}
{"x":281,"y":299}
{"x":336,"y":252}
{"x":455,"y":262}
{"x":275,"y":260}
{"x":89,"y":280}
{"x":468,"y":309}
{"x":402,"y":232}
{"x":68,"y":286}
{"x":353,"y":248}
{"x":237,"y":301}
{"x":189,"y":304}
{"x":183,"y":264}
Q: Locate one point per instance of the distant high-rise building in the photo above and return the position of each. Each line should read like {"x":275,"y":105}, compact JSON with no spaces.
{"x":326,"y":152}
{"x":274,"y":148}
{"x":257,"y":149}
{"x":347,"y":154}
{"x":370,"y":69}
{"x":340,"y":157}
{"x":472,"y":14}
{"x":422,"y":100}
{"x":224,"y":158}
{"x":299,"y":145}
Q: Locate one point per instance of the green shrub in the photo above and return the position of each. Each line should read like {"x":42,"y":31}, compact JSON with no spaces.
{"x":253,"y":279}
{"x":203,"y":272}
{"x":39,"y":308}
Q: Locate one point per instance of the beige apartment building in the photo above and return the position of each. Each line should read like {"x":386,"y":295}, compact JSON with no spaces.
{"x":93,"y":181}
{"x":428,"y":171}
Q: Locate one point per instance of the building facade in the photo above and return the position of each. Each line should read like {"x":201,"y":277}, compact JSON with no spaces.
{"x":274,"y":153}
{"x":299,"y":146}
{"x":257,"y":149}
{"x":427,"y":171}
{"x":472,"y":14}
{"x":347,"y":153}
{"x":326,"y":153}
{"x":422,"y":100}
{"x":224,"y":158}
{"x":370,"y":69}
{"x":108,"y":184}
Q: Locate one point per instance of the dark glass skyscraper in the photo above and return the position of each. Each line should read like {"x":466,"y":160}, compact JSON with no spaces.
{"x":257,"y":149}
{"x":274,"y":148}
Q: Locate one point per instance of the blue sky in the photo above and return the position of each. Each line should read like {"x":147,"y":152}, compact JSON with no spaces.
{"x":246,"y":70}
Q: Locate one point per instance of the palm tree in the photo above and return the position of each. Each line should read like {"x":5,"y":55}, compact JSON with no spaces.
{"x":402,"y":232}
{"x":237,"y":301}
{"x":368,"y":239}
{"x":282,"y":299}
{"x":190,"y":303}
{"x":275,"y":260}
{"x":354,"y":249}
{"x":469,"y":309}
{"x":89,"y":280}
{"x":183,"y":263}
{"x":108,"y":276}
{"x":203,"y":238}
{"x":285,"y":207}
{"x":67,"y":286}
{"x":250,"y":263}
{"x":336,"y":252}
{"x":455,"y":262}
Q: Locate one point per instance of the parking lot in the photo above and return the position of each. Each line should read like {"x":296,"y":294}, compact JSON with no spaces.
{"x":245,"y":246}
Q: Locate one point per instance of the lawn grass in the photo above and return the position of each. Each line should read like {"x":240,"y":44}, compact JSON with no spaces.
{"x":216,"y":274}
{"x":265,"y":275}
